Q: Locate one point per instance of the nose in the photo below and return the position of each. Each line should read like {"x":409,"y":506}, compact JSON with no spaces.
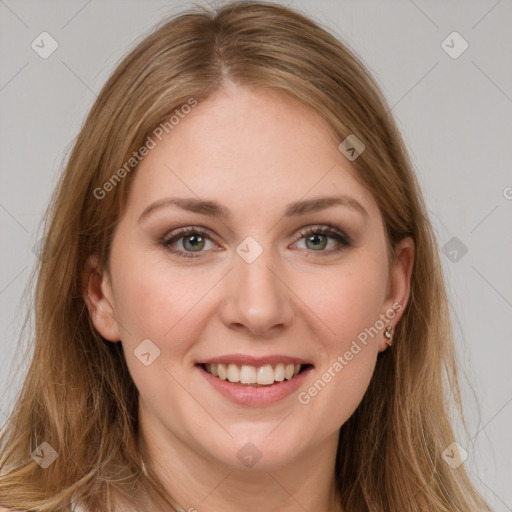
{"x":256,"y":297}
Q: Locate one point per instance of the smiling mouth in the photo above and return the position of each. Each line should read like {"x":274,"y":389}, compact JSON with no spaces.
{"x":256,"y":376}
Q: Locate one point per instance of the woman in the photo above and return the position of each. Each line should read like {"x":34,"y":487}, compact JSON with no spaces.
{"x":240,"y":303}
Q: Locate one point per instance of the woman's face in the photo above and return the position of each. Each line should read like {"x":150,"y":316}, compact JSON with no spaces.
{"x":246,"y":286}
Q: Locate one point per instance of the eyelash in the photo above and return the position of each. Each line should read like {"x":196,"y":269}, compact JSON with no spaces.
{"x":343,"y":240}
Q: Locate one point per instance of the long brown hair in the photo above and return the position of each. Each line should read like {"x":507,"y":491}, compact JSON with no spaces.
{"x":78,"y":395}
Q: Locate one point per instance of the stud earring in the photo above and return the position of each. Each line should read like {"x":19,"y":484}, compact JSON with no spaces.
{"x":388,"y":335}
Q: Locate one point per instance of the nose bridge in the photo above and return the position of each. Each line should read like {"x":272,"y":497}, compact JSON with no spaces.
{"x":256,"y":297}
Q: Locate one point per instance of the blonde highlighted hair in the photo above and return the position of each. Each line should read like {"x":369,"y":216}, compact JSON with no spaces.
{"x":78,"y":395}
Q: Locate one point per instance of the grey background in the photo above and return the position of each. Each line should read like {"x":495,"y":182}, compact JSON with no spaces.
{"x":455,"y":115}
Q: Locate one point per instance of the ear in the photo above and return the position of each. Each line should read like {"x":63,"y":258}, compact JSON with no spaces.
{"x":399,"y":286}
{"x":98,"y":295}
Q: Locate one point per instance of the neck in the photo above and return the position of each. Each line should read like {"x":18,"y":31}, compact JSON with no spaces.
{"x":197,"y":482}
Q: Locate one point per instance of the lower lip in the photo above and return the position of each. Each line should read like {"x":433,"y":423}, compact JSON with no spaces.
{"x":252,"y":395}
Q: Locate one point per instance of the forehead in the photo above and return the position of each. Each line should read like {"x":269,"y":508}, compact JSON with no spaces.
{"x":250,"y":149}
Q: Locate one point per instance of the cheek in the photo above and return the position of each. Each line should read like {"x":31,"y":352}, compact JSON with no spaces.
{"x":161,"y":302}
{"x":348,"y":302}
{"x":164,"y":305}
{"x":341,"y":387}
{"x":349,"y":306}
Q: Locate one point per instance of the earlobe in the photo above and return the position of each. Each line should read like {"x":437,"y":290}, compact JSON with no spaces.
{"x":98,"y":296}
{"x":399,"y":287}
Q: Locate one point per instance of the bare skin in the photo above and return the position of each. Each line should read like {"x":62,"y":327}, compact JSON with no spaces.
{"x":253,"y":152}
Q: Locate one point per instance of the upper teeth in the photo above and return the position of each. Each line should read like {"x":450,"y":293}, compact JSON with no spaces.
{"x":246,"y":374}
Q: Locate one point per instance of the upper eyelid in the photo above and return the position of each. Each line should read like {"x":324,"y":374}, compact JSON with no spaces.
{"x":181,"y":232}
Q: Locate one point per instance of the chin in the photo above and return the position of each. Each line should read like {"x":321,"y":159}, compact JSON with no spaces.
{"x":256,"y":452}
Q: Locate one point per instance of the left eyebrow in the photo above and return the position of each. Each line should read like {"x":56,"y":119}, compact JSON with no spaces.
{"x":215,"y":209}
{"x":322,"y":203}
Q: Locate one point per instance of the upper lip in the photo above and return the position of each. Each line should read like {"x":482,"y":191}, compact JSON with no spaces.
{"x":241,"y":359}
